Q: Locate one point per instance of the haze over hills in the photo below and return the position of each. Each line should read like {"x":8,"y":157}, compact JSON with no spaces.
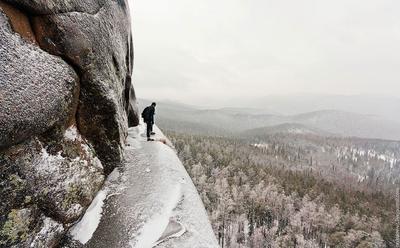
{"x":228,"y":121}
{"x":335,"y":166}
{"x":386,"y":107}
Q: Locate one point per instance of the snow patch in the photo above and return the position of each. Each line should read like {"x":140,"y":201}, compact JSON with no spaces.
{"x":261,"y":145}
{"x":50,"y":228}
{"x":114,"y":176}
{"x":47,"y":161}
{"x":361,"y":178}
{"x":84,"y":229}
{"x":71,"y":134}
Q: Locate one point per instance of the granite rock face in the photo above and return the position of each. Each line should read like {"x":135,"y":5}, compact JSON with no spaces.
{"x":45,"y":7}
{"x":99,"y":46}
{"x":66,"y":101}
{"x":37,"y":89}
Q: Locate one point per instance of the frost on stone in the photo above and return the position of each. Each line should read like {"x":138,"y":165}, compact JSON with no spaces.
{"x":36,"y":89}
{"x":74,"y":209}
{"x":72,"y":134}
{"x":50,"y":231}
{"x":65,"y":181}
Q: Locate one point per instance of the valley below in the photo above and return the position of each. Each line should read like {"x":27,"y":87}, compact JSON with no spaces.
{"x":291,"y":184}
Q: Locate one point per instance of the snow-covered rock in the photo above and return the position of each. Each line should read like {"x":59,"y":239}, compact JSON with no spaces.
{"x":66,"y":101}
{"x":153,"y":203}
{"x":55,"y":181}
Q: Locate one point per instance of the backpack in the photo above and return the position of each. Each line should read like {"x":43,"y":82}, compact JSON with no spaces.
{"x":145,"y":114}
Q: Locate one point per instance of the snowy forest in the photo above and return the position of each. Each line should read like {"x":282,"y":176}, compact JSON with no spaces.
{"x":295,"y":190}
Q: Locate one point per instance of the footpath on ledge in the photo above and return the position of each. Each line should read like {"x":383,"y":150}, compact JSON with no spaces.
{"x":149,"y":202}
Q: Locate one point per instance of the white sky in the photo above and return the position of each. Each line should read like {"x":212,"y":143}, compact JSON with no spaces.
{"x":203,"y":50}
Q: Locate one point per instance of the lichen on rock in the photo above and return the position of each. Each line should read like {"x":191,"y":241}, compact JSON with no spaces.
{"x":25,"y":228}
{"x":16,"y":228}
{"x":59,"y":183}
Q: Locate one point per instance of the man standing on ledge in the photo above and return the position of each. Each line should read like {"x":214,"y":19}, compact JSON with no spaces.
{"x":148,"y":118}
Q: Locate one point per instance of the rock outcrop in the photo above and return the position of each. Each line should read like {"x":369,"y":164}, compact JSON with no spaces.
{"x":37,"y":89}
{"x":66,"y":101}
{"x":98,"y":45}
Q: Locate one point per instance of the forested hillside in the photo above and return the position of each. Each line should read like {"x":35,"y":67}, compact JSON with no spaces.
{"x":292,"y":190}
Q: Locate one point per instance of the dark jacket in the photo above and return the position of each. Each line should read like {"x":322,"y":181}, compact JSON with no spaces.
{"x":148,"y":114}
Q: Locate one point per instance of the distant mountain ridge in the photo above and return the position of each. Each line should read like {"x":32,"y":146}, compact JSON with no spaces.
{"x":386,"y":107}
{"x":230,"y":121}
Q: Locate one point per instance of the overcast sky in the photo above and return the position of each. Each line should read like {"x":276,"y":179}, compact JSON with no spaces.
{"x":198,"y":51}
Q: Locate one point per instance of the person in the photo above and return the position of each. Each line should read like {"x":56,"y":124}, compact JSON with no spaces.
{"x":148,"y":118}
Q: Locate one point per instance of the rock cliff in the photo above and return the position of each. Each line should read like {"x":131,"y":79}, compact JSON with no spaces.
{"x":66,"y":101}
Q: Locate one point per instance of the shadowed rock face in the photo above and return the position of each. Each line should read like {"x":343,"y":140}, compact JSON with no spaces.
{"x":45,"y":7}
{"x":98,"y":45}
{"x":19,"y":22}
{"x":66,"y":101}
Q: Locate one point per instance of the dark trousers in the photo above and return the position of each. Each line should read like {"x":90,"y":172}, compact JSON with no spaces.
{"x":149,"y":126}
